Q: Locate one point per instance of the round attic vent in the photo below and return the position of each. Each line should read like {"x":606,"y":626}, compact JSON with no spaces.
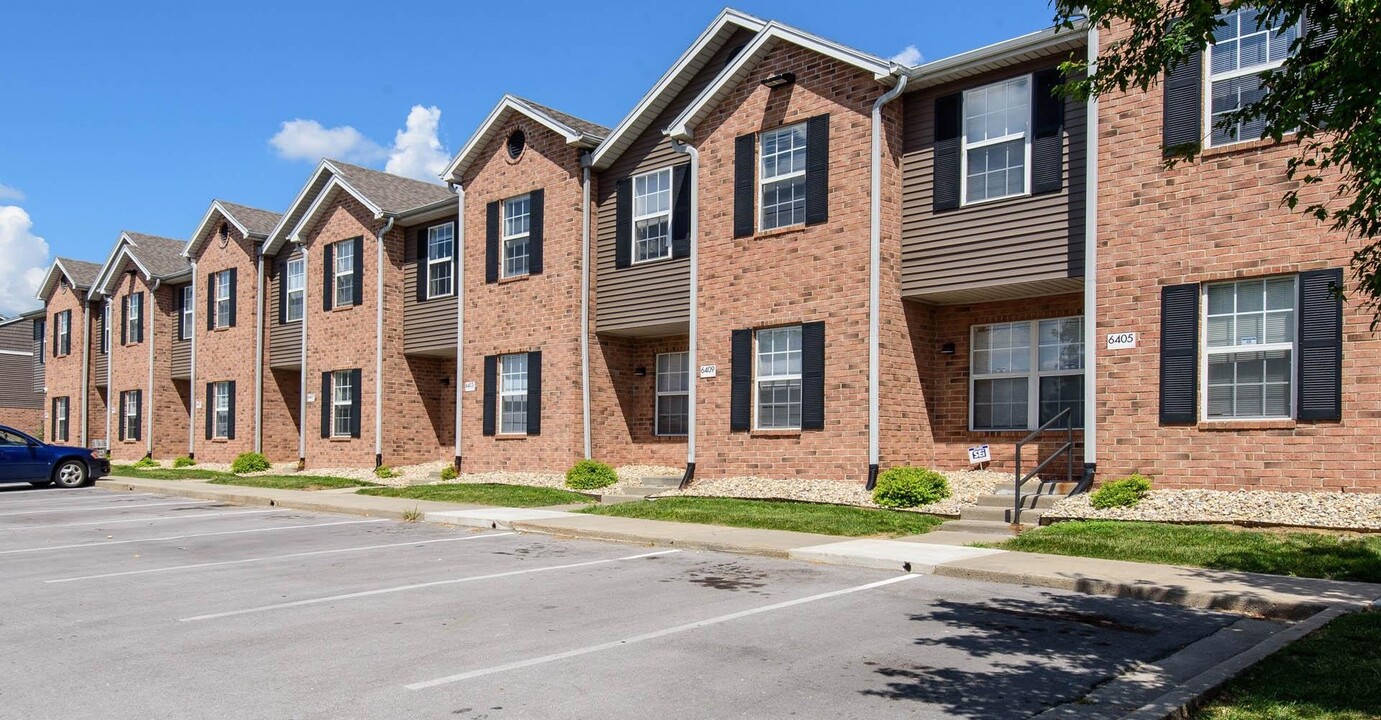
{"x":516,"y":142}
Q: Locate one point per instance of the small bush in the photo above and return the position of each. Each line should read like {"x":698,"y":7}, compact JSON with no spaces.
{"x":448,"y":473}
{"x":183,"y":462}
{"x":249,"y":462}
{"x":905,"y":487}
{"x":590,"y":475}
{"x":384,"y":471}
{"x":147,"y":462}
{"x":1126,"y":492}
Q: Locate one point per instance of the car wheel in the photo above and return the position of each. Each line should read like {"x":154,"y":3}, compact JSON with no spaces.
{"x":70,"y":474}
{"x":40,"y":483}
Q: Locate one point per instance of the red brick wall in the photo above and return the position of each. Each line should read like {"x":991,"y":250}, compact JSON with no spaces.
{"x":63,"y":375}
{"x":282,"y":405}
{"x":419,"y":411}
{"x":165,"y":404}
{"x":30,"y":420}
{"x":623,"y":405}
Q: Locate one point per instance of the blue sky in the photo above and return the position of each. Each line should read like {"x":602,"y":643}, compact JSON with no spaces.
{"x":135,"y":116}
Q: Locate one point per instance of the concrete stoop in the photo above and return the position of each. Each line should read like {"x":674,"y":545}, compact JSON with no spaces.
{"x":646,"y":487}
{"x":991,"y":515}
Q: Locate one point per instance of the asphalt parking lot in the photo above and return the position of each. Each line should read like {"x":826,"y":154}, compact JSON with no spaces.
{"x":120,"y":605}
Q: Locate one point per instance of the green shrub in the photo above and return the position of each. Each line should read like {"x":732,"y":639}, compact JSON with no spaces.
{"x":590,"y":475}
{"x":249,"y":462}
{"x":1126,"y":492}
{"x":448,"y":473}
{"x":184,"y":461}
{"x":904,"y":487}
{"x":147,"y":462}
{"x":384,"y":471}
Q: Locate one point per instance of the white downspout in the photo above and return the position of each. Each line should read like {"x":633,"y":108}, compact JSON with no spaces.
{"x":86,"y":371}
{"x":147,"y":317}
{"x":379,"y":342}
{"x":301,"y":364}
{"x":693,"y":326}
{"x":585,"y":162}
{"x":109,"y":372}
{"x":875,"y":274}
{"x":192,"y":380}
{"x":258,"y":355}
{"x":460,"y":315}
{"x":1091,"y":272}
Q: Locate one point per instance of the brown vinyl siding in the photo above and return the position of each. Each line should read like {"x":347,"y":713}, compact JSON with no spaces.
{"x":182,"y":359}
{"x":285,"y":339}
{"x":1019,"y":247}
{"x":100,"y":368}
{"x":651,"y":298}
{"x":37,"y":368}
{"x":17,"y":386}
{"x":429,"y":326}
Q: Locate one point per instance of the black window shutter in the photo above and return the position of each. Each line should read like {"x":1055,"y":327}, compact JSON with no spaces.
{"x":744,"y":149}
{"x":356,"y":391}
{"x":230,"y":429}
{"x":57,"y":323}
{"x":325,"y":400}
{"x":946,"y":152}
{"x":210,"y":409}
{"x":680,"y":211}
{"x":53,"y":422}
{"x":39,"y":330}
{"x":623,"y":221}
{"x":124,"y":320}
{"x":1183,"y":104}
{"x":180,"y":303}
{"x":234,"y":294}
{"x":328,"y":272}
{"x":211,"y":300}
{"x":491,"y":392}
{"x":423,"y":282}
{"x":534,"y":392}
{"x":536,"y":202}
{"x":67,"y":341}
{"x":282,"y":272}
{"x":1320,"y":363}
{"x":1179,"y":353}
{"x":138,"y":415}
{"x":813,"y":376}
{"x":817,"y":169}
{"x":359,"y":272}
{"x":143,"y":317}
{"x":1047,"y":133}
{"x":741,"y":382}
{"x":124,"y":398}
{"x":491,"y":242}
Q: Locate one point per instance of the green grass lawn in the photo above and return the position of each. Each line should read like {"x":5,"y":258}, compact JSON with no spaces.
{"x":775,"y":515}
{"x":484,"y":494}
{"x":1334,"y":674}
{"x":216,"y":477}
{"x":1301,"y":554}
{"x":187,"y":473}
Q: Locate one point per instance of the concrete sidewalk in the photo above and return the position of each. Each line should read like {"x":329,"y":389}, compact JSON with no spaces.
{"x":1270,"y":596}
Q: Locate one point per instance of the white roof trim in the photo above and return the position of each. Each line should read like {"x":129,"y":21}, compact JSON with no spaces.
{"x":683,"y":127}
{"x":320,"y":200}
{"x":1030,"y":42}
{"x":481,"y":135}
{"x":282,"y":233}
{"x":108,"y":272}
{"x":216,"y":206}
{"x":726,"y":17}
{"x":46,"y":287}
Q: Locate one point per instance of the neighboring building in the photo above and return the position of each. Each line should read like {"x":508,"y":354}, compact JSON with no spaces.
{"x":21,"y":382}
{"x":64,"y":350}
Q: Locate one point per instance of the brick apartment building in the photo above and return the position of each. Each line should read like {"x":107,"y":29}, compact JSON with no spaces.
{"x":796,"y":259}
{"x":21,"y":377}
{"x":65,"y":354}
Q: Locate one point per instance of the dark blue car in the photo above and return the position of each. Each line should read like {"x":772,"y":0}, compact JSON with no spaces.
{"x":27,"y":459}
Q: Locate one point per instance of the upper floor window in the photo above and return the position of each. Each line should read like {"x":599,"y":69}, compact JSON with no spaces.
{"x":441,"y":249}
{"x":344,"y":272}
{"x":1243,"y":48}
{"x":778,"y":378}
{"x":295,"y":285}
{"x":1250,"y":342}
{"x":63,"y":339}
{"x":652,"y":216}
{"x":1025,"y":373}
{"x":135,"y":317}
{"x":996,"y":140}
{"x":782,"y":177}
{"x":517,"y":224}
{"x":220,"y":286}
{"x":185,"y":328}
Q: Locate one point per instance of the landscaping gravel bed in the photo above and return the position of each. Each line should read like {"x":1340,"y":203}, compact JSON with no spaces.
{"x":965,"y":487}
{"x":1361,"y":511}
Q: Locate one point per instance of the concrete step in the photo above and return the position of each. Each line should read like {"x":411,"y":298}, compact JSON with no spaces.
{"x":1027,"y":501}
{"x":661,"y":482}
{"x":1033,"y":487}
{"x":977,"y":527}
{"x":984,"y":513}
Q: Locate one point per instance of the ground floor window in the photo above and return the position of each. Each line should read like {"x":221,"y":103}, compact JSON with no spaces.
{"x":1025,"y":373}
{"x":61,"y":406}
{"x":513,"y":394}
{"x":778,"y":378}
{"x":673,"y":393}
{"x":1250,"y":348}
{"x":220,"y":400}
{"x":129,"y":415}
{"x":342,"y":403}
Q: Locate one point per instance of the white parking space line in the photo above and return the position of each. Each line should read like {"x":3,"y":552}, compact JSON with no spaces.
{"x":554,"y":657}
{"x":47,"y":548}
{"x":99,"y":507}
{"x":226,"y":513}
{"x":361,"y":548}
{"x":57,"y":497}
{"x":419,"y":586}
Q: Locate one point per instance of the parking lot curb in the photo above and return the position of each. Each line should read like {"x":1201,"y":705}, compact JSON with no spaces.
{"x":267,"y":497}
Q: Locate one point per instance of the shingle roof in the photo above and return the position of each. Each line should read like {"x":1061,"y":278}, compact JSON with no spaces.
{"x":82,"y":273}
{"x":161,"y":256}
{"x":392,"y":193}
{"x":259,"y":222}
{"x":575,"y":123}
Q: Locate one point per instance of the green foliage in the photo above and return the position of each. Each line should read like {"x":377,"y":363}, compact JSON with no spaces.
{"x":484,"y":494}
{"x":448,"y":473}
{"x":248,"y":463}
{"x":590,"y":475}
{"x":146,"y":462}
{"x":904,"y":487}
{"x":384,"y":471}
{"x":291,"y":482}
{"x":775,"y":515}
{"x":183,"y":462}
{"x":1126,"y":492}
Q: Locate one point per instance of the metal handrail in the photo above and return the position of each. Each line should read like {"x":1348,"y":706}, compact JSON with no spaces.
{"x":1067,"y":415}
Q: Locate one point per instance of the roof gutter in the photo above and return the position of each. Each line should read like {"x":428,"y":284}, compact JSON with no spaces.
{"x":693,"y":326}
{"x":379,"y":340}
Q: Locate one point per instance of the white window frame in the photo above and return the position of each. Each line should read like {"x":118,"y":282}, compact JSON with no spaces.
{"x":106,"y":311}
{"x":188,"y":306}
{"x":505,"y":238}
{"x":343,"y":280}
{"x":60,"y":413}
{"x":759,"y":378}
{"x":1033,"y":374}
{"x":296,"y":268}
{"x":134,"y":317}
{"x":684,"y":356}
{"x":131,"y":418}
{"x":966,"y":146}
{"x":220,"y":410}
{"x":651,"y":217}
{"x":506,"y":392}
{"x":342,"y":410}
{"x":1210,"y":77}
{"x":1206,"y":351}
{"x":764,"y":181}
{"x":64,"y":338}
{"x":220,"y":288}
{"x":447,"y":261}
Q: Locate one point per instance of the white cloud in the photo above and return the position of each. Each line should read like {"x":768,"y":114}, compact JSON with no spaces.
{"x":24,"y":256}
{"x":308,"y":140}
{"x":417,"y":152}
{"x":909,"y":56}
{"x":8,"y":192}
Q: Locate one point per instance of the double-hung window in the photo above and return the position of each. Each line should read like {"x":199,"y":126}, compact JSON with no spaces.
{"x":997,"y":140}
{"x":295,"y":284}
{"x":673,"y":393}
{"x":135,"y":303}
{"x":652,"y":216}
{"x":513,"y":394}
{"x":782,"y":177}
{"x":1250,"y":348}
{"x":60,"y":409}
{"x":441,"y":248}
{"x":129,"y":399}
{"x":220,"y":285}
{"x":220,"y":410}
{"x":64,"y":338}
{"x":778,"y":374}
{"x":1025,"y":373}
{"x":342,"y":403}
{"x":517,"y":223}
{"x":1242,"y":49}
{"x":187,"y":308}
{"x":344,"y":272}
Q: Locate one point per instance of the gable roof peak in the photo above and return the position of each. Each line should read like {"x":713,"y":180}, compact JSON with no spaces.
{"x":575,"y":131}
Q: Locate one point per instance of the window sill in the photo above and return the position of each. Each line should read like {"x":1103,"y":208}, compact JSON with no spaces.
{"x":774,"y":433}
{"x":1247,"y":146}
{"x":220,"y":329}
{"x":343,"y":308}
{"x":336,"y":439}
{"x":514,"y":279}
{"x":1232,"y":425}
{"x":509,"y":436}
{"x":447,"y":296}
{"x":989,"y":201}
{"x":220,"y":440}
{"x":778,"y":232}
